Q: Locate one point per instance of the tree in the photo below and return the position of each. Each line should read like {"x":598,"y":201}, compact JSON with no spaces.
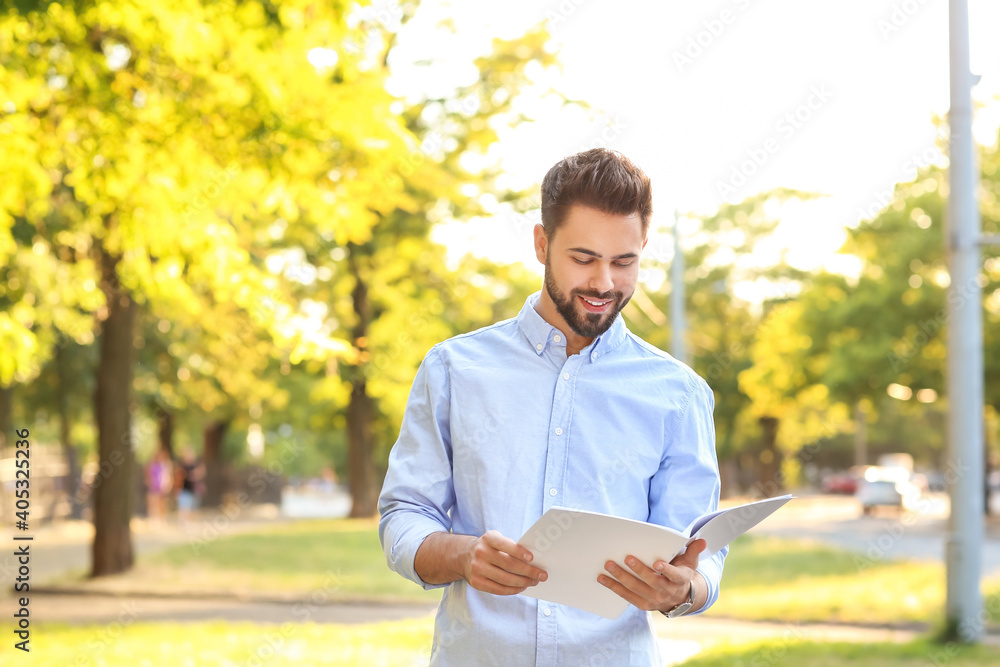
{"x":719,"y":259}
{"x":149,"y":147}
{"x":402,"y":298}
{"x":856,"y":340}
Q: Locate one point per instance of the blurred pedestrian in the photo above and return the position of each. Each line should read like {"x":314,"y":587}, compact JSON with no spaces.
{"x":188,"y":476}
{"x":159,"y":484}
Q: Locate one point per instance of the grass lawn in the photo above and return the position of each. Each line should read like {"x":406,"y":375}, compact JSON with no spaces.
{"x":765,"y":578}
{"x":339,"y":557}
{"x":395,"y":643}
{"x":831,"y":654}
{"x":776,"y":579}
{"x":405,"y":643}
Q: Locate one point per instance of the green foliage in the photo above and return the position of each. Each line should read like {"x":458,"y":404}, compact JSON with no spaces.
{"x":248,"y":166}
{"x":173,"y":137}
{"x":890,"y":325}
{"x":721,"y":326}
{"x":844,"y":341}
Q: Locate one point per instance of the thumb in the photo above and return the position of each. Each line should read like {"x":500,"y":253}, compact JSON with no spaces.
{"x":690,"y":555}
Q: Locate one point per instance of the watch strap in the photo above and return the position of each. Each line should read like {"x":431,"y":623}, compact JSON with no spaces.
{"x":683,"y":607}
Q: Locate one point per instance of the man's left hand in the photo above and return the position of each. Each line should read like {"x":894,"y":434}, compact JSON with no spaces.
{"x":659,"y":587}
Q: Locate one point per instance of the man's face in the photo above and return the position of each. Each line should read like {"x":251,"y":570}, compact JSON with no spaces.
{"x":591,"y":267}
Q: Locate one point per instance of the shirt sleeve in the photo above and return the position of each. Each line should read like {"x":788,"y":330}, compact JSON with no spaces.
{"x":687,"y":483}
{"x":418,"y":492}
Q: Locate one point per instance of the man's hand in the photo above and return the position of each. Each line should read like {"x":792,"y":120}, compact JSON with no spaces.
{"x":660,"y":587}
{"x":491,"y":563}
{"x":496,"y":564}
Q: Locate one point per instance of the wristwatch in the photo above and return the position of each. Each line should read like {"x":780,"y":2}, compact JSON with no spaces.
{"x":683,"y":607}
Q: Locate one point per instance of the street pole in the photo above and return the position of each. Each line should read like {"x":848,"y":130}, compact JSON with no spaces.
{"x":678,"y":322}
{"x":965,"y":349}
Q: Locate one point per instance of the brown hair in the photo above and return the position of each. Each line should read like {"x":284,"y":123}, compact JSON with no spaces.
{"x":600,"y":178}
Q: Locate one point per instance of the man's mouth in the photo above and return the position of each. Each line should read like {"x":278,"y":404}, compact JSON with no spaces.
{"x":593,"y":305}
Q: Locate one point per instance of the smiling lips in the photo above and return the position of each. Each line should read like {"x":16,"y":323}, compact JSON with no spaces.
{"x":592,"y":305}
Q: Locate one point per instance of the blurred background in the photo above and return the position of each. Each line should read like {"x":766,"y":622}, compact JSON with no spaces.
{"x":229,"y":232}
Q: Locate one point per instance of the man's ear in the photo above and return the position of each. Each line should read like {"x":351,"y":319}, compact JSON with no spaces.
{"x":644,"y":242}
{"x":541,"y":243}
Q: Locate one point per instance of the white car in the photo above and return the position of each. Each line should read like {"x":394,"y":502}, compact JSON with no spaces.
{"x":886,"y":493}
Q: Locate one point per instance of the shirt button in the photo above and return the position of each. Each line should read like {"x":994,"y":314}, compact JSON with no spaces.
{"x":557,"y":338}
{"x":547,"y":612}
{"x":558,"y":431}
{"x":538,"y":347}
{"x":552,"y":492}
{"x":565,"y":376}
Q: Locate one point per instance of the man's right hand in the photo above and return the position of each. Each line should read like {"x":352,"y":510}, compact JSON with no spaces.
{"x":491,"y":563}
{"x":496,"y":564}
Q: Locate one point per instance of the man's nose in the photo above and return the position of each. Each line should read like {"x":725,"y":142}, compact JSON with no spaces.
{"x":600,"y":279}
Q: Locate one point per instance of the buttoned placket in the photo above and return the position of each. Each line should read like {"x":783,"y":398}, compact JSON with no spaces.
{"x":554,"y":489}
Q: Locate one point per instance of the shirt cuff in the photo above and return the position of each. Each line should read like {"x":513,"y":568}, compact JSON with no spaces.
{"x":400,"y":546}
{"x":711,"y":570}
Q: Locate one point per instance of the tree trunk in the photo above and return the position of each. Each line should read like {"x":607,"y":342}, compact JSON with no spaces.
{"x":772,"y":481}
{"x":360,"y":467}
{"x":165,"y":435}
{"x":728,"y":468}
{"x":361,"y":408}
{"x":215,"y":478}
{"x":113,"y":484}
{"x":729,"y":477}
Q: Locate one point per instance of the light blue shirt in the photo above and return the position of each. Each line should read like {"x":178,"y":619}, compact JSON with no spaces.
{"x":500,"y":426}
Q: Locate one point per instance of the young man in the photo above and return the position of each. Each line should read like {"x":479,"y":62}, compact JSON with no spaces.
{"x":561,"y":405}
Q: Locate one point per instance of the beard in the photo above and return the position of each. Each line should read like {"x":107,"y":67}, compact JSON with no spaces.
{"x":588,"y":325}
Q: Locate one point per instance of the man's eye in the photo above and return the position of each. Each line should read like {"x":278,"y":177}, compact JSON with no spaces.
{"x":623,"y":264}
{"x":582,"y":261}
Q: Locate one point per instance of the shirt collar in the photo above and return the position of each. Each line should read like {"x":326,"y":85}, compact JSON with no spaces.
{"x":540,"y":333}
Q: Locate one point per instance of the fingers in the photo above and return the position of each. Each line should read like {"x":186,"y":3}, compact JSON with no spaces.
{"x":623,"y":592}
{"x":499,"y":565}
{"x":633,"y":588}
{"x":508,"y":546}
{"x":651,"y":588}
{"x":513,"y":557}
{"x":491,"y":579}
